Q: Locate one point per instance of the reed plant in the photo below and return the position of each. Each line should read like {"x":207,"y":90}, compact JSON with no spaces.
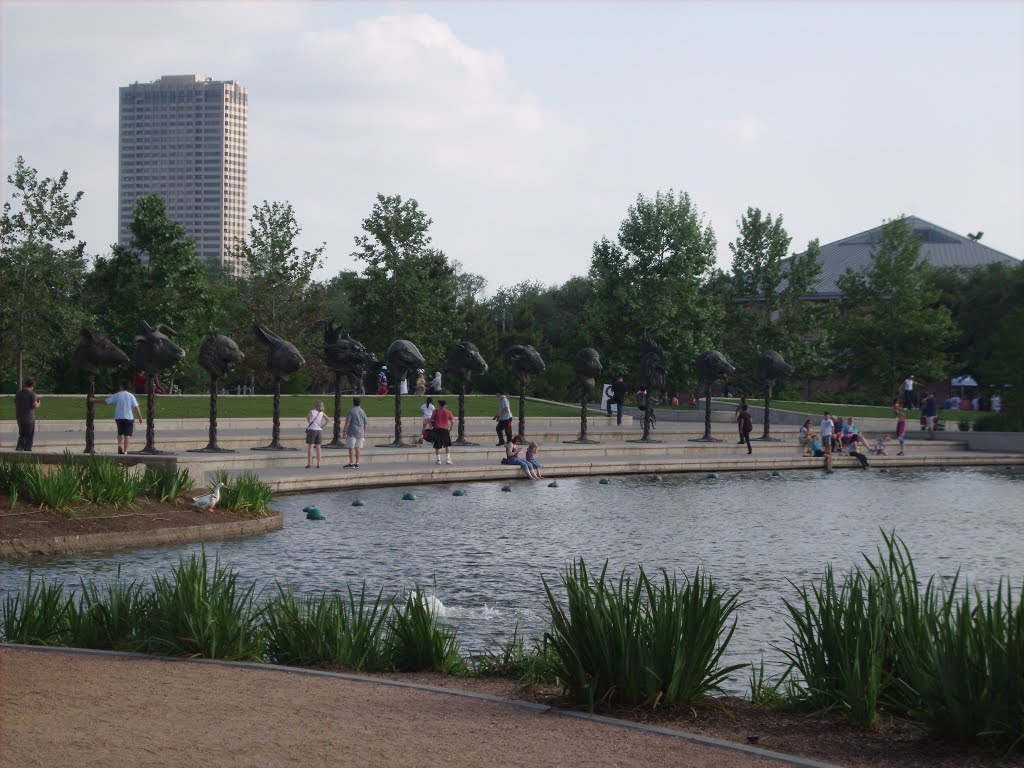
{"x":327,"y":630}
{"x":512,"y":659}
{"x":166,"y":483}
{"x":417,"y":642}
{"x":37,"y":615}
{"x":639,"y":643}
{"x":110,"y":618}
{"x":107,"y":483}
{"x":246,"y":494}
{"x":204,"y":612}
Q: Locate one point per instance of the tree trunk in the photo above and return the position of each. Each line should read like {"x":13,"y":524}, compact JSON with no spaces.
{"x":150,"y":413}
{"x":707,"y":410}
{"x":583,"y":418}
{"x":90,"y":424}
{"x":336,"y":441}
{"x":522,"y":409}
{"x":767,"y":411}
{"x":398,"y":414}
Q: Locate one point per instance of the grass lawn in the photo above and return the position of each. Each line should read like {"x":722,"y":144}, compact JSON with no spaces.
{"x":857,"y":411}
{"x":246,"y":406}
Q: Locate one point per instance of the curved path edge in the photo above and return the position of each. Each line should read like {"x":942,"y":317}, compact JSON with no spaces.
{"x":58,"y":545}
{"x":693,"y":738}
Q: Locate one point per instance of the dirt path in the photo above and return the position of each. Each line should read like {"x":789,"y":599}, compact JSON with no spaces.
{"x":62,"y":709}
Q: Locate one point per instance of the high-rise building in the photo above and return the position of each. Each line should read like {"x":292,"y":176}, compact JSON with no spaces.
{"x":185,"y":138}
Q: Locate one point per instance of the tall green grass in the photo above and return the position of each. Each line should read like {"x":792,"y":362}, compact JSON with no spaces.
{"x":245,"y":495}
{"x":200,"y":611}
{"x":108,"y":483}
{"x":111,"y":618}
{"x":38,"y":615}
{"x":166,"y":483}
{"x":327,"y":631}
{"x":417,"y":642}
{"x":639,"y":643}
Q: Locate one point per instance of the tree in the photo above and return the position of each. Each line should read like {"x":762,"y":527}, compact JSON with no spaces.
{"x":40,"y":270}
{"x":653,"y":281}
{"x":410,"y":289}
{"x":768,"y":307}
{"x":279,"y":289}
{"x":892,"y":324}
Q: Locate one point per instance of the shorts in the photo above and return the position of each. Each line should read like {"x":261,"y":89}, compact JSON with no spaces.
{"x":442,"y":438}
{"x":929,"y":422}
{"x":354,"y":442}
{"x":125,"y":427}
{"x":314,"y":436}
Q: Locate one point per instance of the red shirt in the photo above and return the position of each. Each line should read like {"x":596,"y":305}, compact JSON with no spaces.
{"x":443,"y":418}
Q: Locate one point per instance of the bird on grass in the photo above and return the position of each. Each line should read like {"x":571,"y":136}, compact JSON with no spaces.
{"x":209,"y":501}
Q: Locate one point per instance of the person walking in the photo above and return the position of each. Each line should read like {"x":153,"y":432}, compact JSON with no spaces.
{"x":504,"y":419}
{"x":355,"y":432}
{"x":427,"y":409}
{"x":315,"y":421}
{"x":441,"y":423}
{"x":746,"y":425}
{"x":124,"y":403}
{"x":930,"y":409}
{"x":25,"y":404}
{"x":739,"y":409}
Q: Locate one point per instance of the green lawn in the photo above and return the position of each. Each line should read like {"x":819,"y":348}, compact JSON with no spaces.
{"x":857,"y":411}
{"x":243,"y":406}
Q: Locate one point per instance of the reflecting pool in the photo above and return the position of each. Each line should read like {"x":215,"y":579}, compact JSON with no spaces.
{"x":484,"y":554}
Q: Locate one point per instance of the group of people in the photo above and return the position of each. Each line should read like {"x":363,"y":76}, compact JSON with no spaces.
{"x":354,"y":432}
{"x":421,"y":387}
{"x":838,"y":436}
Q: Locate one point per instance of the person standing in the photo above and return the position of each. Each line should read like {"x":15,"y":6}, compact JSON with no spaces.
{"x":427,"y":409}
{"x":25,"y":404}
{"x":434,"y":388}
{"x":746,"y":425}
{"x":504,"y":419}
{"x":441,"y":423}
{"x":908,"y":392}
{"x":930,"y":409}
{"x":901,"y":428}
{"x":315,"y":421}
{"x":739,"y":410}
{"x":124,"y":403}
{"x":826,"y":433}
{"x":619,"y":397}
{"x":421,"y":382}
{"x":354,"y":431}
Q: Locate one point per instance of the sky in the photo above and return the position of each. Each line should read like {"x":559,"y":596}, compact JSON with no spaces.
{"x":526,"y":130}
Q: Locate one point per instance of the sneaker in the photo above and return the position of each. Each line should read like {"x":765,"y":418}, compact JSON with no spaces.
{"x":448,"y":460}
{"x":355,"y":466}
{"x":349,"y":466}
{"x":438,"y":460}
{"x":499,"y":444}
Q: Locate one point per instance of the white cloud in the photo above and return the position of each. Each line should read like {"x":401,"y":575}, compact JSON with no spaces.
{"x":743,"y":128}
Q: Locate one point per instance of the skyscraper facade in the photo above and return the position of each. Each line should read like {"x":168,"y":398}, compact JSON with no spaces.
{"x":185,"y":138}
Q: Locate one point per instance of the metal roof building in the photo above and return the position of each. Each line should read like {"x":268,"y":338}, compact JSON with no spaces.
{"x":938,"y":246}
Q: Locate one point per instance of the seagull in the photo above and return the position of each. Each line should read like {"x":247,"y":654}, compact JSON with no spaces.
{"x":209,"y":501}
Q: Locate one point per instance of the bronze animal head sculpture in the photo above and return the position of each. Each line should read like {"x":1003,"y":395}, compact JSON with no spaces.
{"x":154,"y":351}
{"x":403,"y":357}
{"x":588,"y":367}
{"x":219,"y":354}
{"x":96,"y":351}
{"x":653,"y":365}
{"x":345,"y":355}
{"x":283,"y":359}
{"x":523,"y":361}
{"x":712,"y":365}
{"x":463,"y":360}
{"x":771,"y":367}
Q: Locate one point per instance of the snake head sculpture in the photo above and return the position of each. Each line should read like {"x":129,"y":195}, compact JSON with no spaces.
{"x":523,"y":361}
{"x":219,"y":354}
{"x":771,"y":366}
{"x":96,"y":351}
{"x":283,"y":359}
{"x":403,"y":356}
{"x":588,"y":367}
{"x":463,"y":360}
{"x":653,"y":365}
{"x":154,"y":351}
{"x":712,"y":365}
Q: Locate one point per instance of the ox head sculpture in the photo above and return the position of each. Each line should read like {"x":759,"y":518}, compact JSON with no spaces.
{"x":154,"y":351}
{"x":96,"y":351}
{"x":523,"y":361}
{"x":771,"y":367}
{"x":712,"y":365}
{"x":464,"y":360}
{"x":588,"y":367}
{"x":219,"y":354}
{"x":283,"y":359}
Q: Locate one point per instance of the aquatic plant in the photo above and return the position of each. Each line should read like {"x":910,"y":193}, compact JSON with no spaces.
{"x":37,"y":615}
{"x":111,"y":618}
{"x":105,"y":482}
{"x":166,"y":483}
{"x":417,"y":642}
{"x":245,"y":494}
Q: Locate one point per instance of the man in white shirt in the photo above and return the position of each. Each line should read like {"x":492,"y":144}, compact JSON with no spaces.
{"x":124,"y":402}
{"x":908,"y":392}
{"x":826,"y":433}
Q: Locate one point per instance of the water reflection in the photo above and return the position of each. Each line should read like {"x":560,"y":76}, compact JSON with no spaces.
{"x":486,"y":552}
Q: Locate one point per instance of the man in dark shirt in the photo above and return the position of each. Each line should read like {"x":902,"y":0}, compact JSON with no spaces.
{"x":618,"y":398}
{"x":25,"y":404}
